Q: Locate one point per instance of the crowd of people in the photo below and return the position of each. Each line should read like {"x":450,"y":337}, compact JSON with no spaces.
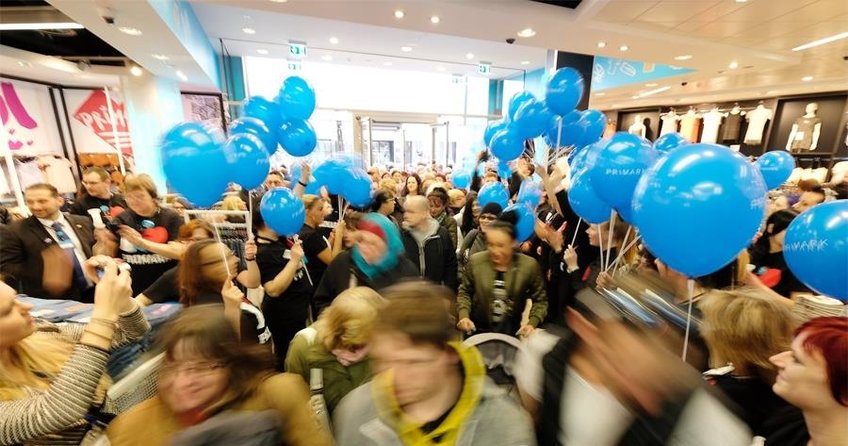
{"x":358,"y":338}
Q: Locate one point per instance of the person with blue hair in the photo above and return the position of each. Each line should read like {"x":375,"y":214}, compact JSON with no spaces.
{"x":376,"y":261}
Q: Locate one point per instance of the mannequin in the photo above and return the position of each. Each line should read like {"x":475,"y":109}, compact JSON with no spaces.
{"x":757,"y":120}
{"x":712,"y":121}
{"x":638,"y":127}
{"x":732,"y":124}
{"x":805,"y":131}
{"x":669,"y":122}
{"x":689,"y":125}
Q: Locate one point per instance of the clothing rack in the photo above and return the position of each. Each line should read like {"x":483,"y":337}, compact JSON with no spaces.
{"x":234,"y":235}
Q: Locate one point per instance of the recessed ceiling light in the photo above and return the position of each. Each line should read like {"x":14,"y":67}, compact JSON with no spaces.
{"x":327,"y":57}
{"x":136,"y":71}
{"x":248,"y":30}
{"x":440,"y":68}
{"x":406,"y":49}
{"x":469,"y":56}
{"x":525,"y":62}
{"x":600,"y":94}
{"x":624,"y":48}
{"x":602,"y":44}
{"x":399,"y":14}
{"x":262,"y":51}
{"x":634,"y":97}
{"x":161,"y":57}
{"x":527,"y":32}
{"x":130,"y":30}
{"x":435,"y":19}
{"x":733,"y":65}
{"x":39,"y":25}
{"x":651,"y":84}
{"x":182,"y":76}
{"x":818,"y":42}
{"x":683,"y":57}
{"x":279,"y":1}
{"x":387,"y":64}
{"x":334,"y":40}
{"x":24,"y":63}
{"x":741,"y":1}
{"x":807,"y":78}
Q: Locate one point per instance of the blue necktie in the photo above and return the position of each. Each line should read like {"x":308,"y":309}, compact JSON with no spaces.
{"x":68,"y":245}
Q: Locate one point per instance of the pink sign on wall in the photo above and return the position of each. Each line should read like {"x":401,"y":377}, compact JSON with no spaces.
{"x":27,"y":116}
{"x":93,"y":113}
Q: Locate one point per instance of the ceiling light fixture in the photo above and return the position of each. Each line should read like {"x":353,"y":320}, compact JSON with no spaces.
{"x":440,"y":68}
{"x":807,"y":78}
{"x":741,"y":1}
{"x":37,"y":26}
{"x":602,"y":44}
{"x":600,"y":94}
{"x":399,"y":14}
{"x":327,"y":57}
{"x":527,"y":32}
{"x":652,"y":92}
{"x":130,"y":30}
{"x":24,"y":63}
{"x":623,"y":48}
{"x":279,"y":1}
{"x":406,"y":49}
{"x":818,"y":42}
{"x":182,"y":76}
{"x":634,"y":97}
{"x":248,"y":30}
{"x":469,"y":56}
{"x":334,"y":40}
{"x":733,"y":65}
{"x":525,"y":62}
{"x":262,"y":51}
{"x":161,"y":57}
{"x":387,"y":64}
{"x":435,"y":20}
{"x":652,"y":84}
{"x":683,"y":57}
{"x":136,"y":71}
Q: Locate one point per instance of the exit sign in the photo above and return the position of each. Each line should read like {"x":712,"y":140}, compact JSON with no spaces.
{"x":297,"y":49}
{"x":294,"y":65}
{"x":484,"y":68}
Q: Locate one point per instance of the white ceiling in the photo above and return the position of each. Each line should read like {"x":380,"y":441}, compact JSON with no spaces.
{"x":757,"y":34}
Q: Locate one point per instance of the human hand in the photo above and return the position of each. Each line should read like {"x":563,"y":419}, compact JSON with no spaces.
{"x":466,"y":326}
{"x":554,"y":238}
{"x":604,"y":280}
{"x":250,"y":250}
{"x":113,"y":293}
{"x":525,"y":330}
{"x":58,"y":270}
{"x":131,"y":235}
{"x":305,"y":173}
{"x":103,"y":235}
{"x":297,"y":251}
{"x":570,"y":257}
{"x":231,"y":294}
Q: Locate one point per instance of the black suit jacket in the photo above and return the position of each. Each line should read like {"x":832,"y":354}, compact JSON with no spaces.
{"x":21,"y":244}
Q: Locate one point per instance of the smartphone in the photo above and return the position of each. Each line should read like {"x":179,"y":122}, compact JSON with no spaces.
{"x":124,"y":266}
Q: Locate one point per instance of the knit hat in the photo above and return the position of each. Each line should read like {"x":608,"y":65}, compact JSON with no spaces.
{"x":491,"y":208}
{"x":384,"y":228}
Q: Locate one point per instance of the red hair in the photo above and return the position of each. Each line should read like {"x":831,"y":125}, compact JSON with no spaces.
{"x":829,"y":336}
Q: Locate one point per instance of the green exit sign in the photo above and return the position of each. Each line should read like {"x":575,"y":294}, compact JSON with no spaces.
{"x":484,"y":68}
{"x":297,"y":49}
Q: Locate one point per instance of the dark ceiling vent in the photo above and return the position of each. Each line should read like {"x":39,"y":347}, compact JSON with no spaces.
{"x":570,"y":4}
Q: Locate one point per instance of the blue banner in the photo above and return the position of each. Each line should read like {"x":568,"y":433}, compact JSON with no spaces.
{"x":609,"y":72}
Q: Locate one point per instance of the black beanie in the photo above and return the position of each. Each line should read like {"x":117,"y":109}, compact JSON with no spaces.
{"x":492,"y":208}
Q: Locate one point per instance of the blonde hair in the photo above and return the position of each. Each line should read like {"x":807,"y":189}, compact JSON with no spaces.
{"x":143,"y":182}
{"x":309,"y":201}
{"x":43,"y":353}
{"x":745,"y":327}
{"x":349,"y":320}
{"x":389,"y":184}
{"x":231,"y":203}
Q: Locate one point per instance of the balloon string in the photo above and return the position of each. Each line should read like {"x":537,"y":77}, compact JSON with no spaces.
{"x":609,"y":238}
{"x":601,"y":249}
{"x":249,"y":216}
{"x":223,"y":253}
{"x":621,"y":254}
{"x":690,"y":285}
{"x":559,"y":133}
{"x":576,"y":229}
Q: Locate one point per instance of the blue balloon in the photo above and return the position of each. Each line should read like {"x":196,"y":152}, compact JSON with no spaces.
{"x":573,"y":131}
{"x":516,"y":102}
{"x":282,"y":211}
{"x":776,"y":167}
{"x":504,"y":171}
{"x":297,"y":137}
{"x":493,"y":193}
{"x":620,"y":165}
{"x":461,"y":178}
{"x":526,"y":221}
{"x":491,"y":129}
{"x":585,"y":201}
{"x":698,"y":207}
{"x":530,"y":193}
{"x":594,"y":123}
{"x":254,"y":126}
{"x":296,"y":98}
{"x":553,"y":137}
{"x":532,"y":119}
{"x":564,"y":90}
{"x":332,"y":174}
{"x":670,"y":141}
{"x":248,"y":160}
{"x":816,"y":248}
{"x":587,"y":157}
{"x":358,"y":188}
{"x":507,"y":144}
{"x":264,"y":110}
{"x":195,"y":163}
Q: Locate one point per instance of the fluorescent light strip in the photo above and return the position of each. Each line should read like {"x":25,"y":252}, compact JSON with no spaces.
{"x":816,"y":43}
{"x":652,"y":92}
{"x":37,"y":26}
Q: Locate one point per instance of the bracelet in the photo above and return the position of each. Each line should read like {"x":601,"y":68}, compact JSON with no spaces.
{"x":104,"y":321}
{"x":250,"y":259}
{"x":301,"y":183}
{"x":99,"y":335}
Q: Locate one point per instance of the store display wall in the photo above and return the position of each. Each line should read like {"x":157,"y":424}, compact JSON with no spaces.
{"x":830,"y":110}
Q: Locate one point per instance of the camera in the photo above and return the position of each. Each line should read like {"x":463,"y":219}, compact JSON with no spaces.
{"x":510,"y":40}
{"x":683,"y":84}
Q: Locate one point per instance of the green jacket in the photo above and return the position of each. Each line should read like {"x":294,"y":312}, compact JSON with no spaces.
{"x":447,"y":222}
{"x":307,"y":352}
{"x":523,"y":281}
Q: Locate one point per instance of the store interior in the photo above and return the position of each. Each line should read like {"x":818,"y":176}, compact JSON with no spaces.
{"x":401,"y":83}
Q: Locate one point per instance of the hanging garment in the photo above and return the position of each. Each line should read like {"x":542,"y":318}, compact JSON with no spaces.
{"x":757,"y":120}
{"x":690,"y":123}
{"x":732,"y":125}
{"x":712,"y":121}
{"x":57,"y":171}
{"x":669,"y":124}
{"x":803,"y":139}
